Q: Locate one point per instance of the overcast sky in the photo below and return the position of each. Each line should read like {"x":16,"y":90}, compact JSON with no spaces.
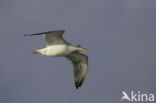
{"x":120,"y":36}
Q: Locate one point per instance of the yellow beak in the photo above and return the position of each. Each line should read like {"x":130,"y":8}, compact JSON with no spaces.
{"x":83,"y":49}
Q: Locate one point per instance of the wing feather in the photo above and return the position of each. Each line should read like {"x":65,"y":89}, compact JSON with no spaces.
{"x":52,"y":37}
{"x":80,"y":67}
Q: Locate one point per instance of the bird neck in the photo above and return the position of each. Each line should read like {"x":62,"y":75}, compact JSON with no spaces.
{"x":73,"y":48}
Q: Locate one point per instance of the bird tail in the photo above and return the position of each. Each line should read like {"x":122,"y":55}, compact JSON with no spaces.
{"x":35,"y":52}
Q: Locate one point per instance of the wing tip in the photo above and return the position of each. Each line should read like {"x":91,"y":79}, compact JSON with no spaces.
{"x":28,"y":35}
{"x":57,"y":31}
{"x":44,"y":32}
{"x":78,"y":84}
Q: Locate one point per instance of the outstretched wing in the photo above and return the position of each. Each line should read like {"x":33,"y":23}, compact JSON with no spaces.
{"x":52,"y":37}
{"x":80,"y":64}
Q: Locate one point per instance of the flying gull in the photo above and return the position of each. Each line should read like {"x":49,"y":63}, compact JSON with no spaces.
{"x":58,"y":47}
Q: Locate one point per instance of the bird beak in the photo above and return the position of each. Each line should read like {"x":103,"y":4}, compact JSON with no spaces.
{"x":83,"y":49}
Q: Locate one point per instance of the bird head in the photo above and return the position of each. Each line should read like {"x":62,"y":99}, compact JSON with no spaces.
{"x":81,"y":48}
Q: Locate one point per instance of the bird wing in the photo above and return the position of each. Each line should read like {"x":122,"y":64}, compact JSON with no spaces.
{"x":80,"y":65}
{"x":52,"y":37}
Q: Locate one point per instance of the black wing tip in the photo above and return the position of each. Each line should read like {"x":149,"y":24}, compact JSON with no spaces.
{"x":78,"y":84}
{"x":28,"y":34}
{"x":54,"y":31}
{"x":59,"y":31}
{"x":44,"y":32}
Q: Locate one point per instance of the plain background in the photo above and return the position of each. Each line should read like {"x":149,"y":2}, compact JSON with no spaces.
{"x":120,"y":36}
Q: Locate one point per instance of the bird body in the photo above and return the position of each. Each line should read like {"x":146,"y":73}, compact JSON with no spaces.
{"x":54,"y":50}
{"x":58,"y":47}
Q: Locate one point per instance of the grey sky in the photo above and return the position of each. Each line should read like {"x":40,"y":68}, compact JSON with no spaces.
{"x":120,"y":36}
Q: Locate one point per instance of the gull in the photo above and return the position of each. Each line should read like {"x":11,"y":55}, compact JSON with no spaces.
{"x":56,"y":46}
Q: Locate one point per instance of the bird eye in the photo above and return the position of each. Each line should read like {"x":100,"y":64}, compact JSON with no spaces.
{"x":79,"y":46}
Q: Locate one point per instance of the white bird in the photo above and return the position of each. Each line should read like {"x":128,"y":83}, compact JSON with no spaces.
{"x":57,"y":46}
